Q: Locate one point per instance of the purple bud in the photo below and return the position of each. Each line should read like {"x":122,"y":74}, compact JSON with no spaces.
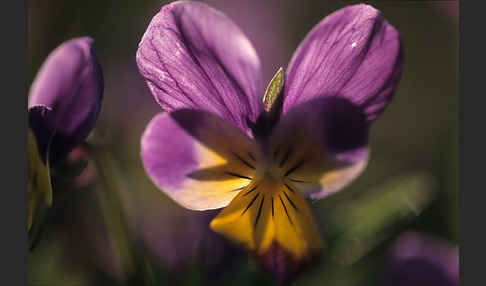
{"x":70,"y":83}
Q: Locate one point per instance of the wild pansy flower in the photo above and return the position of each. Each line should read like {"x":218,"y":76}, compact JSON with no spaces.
{"x":177,"y":247}
{"x":226,"y":143}
{"x":64,"y":103}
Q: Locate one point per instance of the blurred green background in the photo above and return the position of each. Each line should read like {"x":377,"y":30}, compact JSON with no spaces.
{"x":121,"y":230}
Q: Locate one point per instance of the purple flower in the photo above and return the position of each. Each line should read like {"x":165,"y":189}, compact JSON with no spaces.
{"x":176,"y":247}
{"x":64,"y":102}
{"x":65,"y":98}
{"x":418,"y":260}
{"x":225,"y":142}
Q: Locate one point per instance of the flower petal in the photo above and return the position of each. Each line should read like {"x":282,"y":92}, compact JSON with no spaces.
{"x":321,"y":145}
{"x":267,"y":215}
{"x":198,"y":159}
{"x":70,"y":82}
{"x":353,"y":53}
{"x":193,"y":56}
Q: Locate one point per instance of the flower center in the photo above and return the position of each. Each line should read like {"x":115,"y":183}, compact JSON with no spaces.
{"x":275,"y":169}
{"x":270,"y":210}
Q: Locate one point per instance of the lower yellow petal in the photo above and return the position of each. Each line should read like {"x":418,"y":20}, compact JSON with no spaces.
{"x":270,"y":211}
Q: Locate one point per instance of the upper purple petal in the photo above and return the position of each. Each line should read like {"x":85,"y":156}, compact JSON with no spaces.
{"x":70,"y":83}
{"x":193,"y":56}
{"x":353,"y":53}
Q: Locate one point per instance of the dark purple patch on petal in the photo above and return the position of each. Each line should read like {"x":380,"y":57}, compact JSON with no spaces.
{"x":339,"y":125}
{"x":192,"y":121}
{"x":345,"y":125}
{"x":282,"y":265}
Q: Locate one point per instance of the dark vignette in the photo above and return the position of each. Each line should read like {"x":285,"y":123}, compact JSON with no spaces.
{"x":14,"y":142}
{"x":472,"y":102}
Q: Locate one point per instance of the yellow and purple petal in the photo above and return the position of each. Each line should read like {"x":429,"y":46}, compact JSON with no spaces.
{"x":321,"y":146}
{"x":353,"y":53}
{"x":193,"y":56}
{"x":198,"y":159}
{"x":70,"y":83}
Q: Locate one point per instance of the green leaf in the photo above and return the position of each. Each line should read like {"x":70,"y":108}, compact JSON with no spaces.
{"x":39,"y":192}
{"x":39,"y":180}
{"x":273,"y":89}
{"x":374,"y":217}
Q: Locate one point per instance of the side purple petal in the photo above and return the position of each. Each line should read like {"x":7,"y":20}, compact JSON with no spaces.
{"x":190,"y":155}
{"x":335,"y":146}
{"x":70,"y":83}
{"x":167,"y":152}
{"x":193,"y":56}
{"x":353,"y":53}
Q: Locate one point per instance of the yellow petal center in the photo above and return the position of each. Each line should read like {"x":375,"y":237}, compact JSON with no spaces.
{"x":271,"y":209}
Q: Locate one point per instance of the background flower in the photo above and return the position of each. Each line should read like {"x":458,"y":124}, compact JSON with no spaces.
{"x":417,"y":259}
{"x":64,"y":103}
{"x":70,"y":83}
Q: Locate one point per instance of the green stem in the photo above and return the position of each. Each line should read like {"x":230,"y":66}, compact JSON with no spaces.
{"x":111,"y":208}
